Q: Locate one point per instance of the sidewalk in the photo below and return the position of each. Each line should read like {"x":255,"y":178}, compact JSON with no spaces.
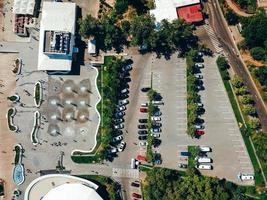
{"x":237,"y":9}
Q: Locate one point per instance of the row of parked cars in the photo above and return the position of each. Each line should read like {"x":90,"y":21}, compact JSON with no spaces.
{"x":117,"y":143}
{"x":203,"y":161}
{"x":199,"y":86}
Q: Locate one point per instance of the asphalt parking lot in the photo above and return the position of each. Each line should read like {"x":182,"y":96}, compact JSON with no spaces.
{"x":222,"y":133}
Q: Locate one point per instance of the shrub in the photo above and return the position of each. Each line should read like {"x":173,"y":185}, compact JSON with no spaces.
{"x":231,"y":17}
{"x":237,"y":81}
{"x":249,"y":110}
{"x":258,"y":53}
{"x":254,"y":123}
{"x":246,"y":99}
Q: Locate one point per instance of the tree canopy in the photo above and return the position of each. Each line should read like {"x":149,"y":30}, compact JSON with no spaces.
{"x":165,"y":184}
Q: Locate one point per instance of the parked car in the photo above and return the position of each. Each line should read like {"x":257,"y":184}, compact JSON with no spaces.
{"x":155,"y":135}
{"x":199,"y":76}
{"x":203,"y":159}
{"x":157,"y":103}
{"x":200,"y":132}
{"x":181,"y":165}
{"x":142,"y":126}
{"x":123,"y":102}
{"x":199,"y":126}
{"x":123,"y":96}
{"x":135,"y":195}
{"x":124,"y":91}
{"x":157,"y":158}
{"x":121,"y":146}
{"x":145,"y":89}
{"x":200,"y":105}
{"x":118,"y":132}
{"x":118,"y":121}
{"x":154,"y":118}
{"x":141,"y":158}
{"x":155,"y":130}
{"x":185,"y":153}
{"x":204,"y":149}
{"x":199,"y":65}
{"x":117,"y":139}
{"x":143,"y":143}
{"x":143,"y":120}
{"x":120,"y":108}
{"x":245,"y":177}
{"x":156,"y":124}
{"x":112,"y":150}
{"x":142,"y":137}
{"x":144,"y":105}
{"x":142,"y":132}
{"x":119,"y":126}
{"x":157,"y":113}
{"x":126,"y":68}
{"x":143,"y":110}
{"x":119,"y":114}
{"x":204,"y":166}
{"x":135,"y":184}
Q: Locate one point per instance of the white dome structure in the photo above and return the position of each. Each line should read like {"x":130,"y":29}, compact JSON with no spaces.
{"x":61,"y":187}
{"x":72,"y":191}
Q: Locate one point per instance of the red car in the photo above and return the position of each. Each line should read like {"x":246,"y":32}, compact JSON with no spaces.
{"x":141,"y":158}
{"x":135,"y":195}
{"x":144,"y":110}
{"x":200,"y":132}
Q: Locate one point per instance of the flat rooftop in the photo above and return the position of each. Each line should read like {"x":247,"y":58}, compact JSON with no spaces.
{"x":57,"y":30}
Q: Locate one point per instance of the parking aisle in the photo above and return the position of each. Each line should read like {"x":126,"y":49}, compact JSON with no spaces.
{"x":169,"y":79}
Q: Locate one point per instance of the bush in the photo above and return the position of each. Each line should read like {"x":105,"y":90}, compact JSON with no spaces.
{"x":231,"y":17}
{"x":258,"y":53}
{"x":237,"y":81}
{"x":254,"y":123}
{"x":249,"y":110}
{"x":246,"y":99}
{"x":241,"y":91}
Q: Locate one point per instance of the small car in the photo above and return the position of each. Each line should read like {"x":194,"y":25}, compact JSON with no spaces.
{"x":143,"y":110}
{"x":118,"y":121}
{"x":141,"y":158}
{"x":126,"y":68}
{"x":199,"y":65}
{"x":184,"y":153}
{"x":181,"y":165}
{"x":145,"y":89}
{"x":121,"y":146}
{"x":119,"y":126}
{"x":112,"y":150}
{"x":157,"y":113}
{"x":204,"y":166}
{"x":118,"y":138}
{"x":119,"y":114}
{"x":124,"y":91}
{"x":144,"y":105}
{"x":120,"y":108}
{"x":155,"y":130}
{"x":143,"y":143}
{"x":142,"y":132}
{"x":154,"y":118}
{"x":155,"y":135}
{"x":200,"y":132}
{"x":135,"y":184}
{"x":135,"y":195}
{"x":142,"y":137}
{"x":156,"y":125}
{"x":142,"y":126}
{"x":199,"y":76}
{"x":123,"y":96}
{"x":123,"y":102}
{"x":200,"y":105}
{"x":199,"y":126}
{"x":143,"y":121}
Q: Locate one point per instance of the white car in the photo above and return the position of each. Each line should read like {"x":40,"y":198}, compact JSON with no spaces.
{"x":144,"y":105}
{"x":200,"y":105}
{"x":158,"y":113}
{"x":204,"y":166}
{"x":124,"y":91}
{"x":205,"y":149}
{"x":123,"y":102}
{"x":119,"y":114}
{"x":199,"y":126}
{"x":203,"y":159}
{"x":200,"y":65}
{"x":120,"y":108}
{"x":155,"y":130}
{"x":199,"y":76}
{"x":154,"y":118}
{"x":158,"y":103}
{"x":143,"y":143}
{"x":245,"y":177}
{"x":118,"y":121}
{"x":155,"y":135}
{"x":118,"y":138}
{"x":112,"y":150}
{"x":121,"y":146}
{"x":119,"y":126}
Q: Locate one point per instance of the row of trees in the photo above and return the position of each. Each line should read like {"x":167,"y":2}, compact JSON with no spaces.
{"x":165,"y":184}
{"x":261,"y":75}
{"x":247,"y":102}
{"x":192,"y":95}
{"x":140,"y":30}
{"x":248,"y":5}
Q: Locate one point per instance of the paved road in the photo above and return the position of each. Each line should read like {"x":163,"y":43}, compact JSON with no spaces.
{"x":221,"y":29}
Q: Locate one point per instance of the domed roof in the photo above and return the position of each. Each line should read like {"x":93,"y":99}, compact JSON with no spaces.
{"x":72,"y":191}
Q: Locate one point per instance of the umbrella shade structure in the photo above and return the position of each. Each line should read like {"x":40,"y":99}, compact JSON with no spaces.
{"x":54,"y":101}
{"x":54,"y":87}
{"x":53,"y":130}
{"x":84,"y":87}
{"x":83,"y":101}
{"x":83,"y":115}
{"x":68,"y":114}
{"x":69,"y":87}
{"x":54,"y":116}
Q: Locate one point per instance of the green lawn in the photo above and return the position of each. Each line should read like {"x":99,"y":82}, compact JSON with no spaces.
{"x":194,"y":151}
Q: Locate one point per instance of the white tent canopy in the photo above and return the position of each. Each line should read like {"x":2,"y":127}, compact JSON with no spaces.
{"x":23,"y":7}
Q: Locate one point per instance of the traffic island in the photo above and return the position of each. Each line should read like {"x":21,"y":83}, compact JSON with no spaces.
{"x":18,"y":171}
{"x":10,"y":116}
{"x":36,"y":126}
{"x":38,"y":94}
{"x":14,"y":98}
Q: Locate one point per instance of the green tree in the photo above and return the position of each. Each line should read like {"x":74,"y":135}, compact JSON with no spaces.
{"x":249,"y":110}
{"x":258,"y":53}
{"x":237,"y":81}
{"x":246,"y":99}
{"x":254,"y":123}
{"x":90,"y":26}
{"x":231,"y":17}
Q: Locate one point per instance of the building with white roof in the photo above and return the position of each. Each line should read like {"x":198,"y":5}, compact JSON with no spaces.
{"x":61,"y":187}
{"x":166,"y":9}
{"x":24,"y":7}
{"x":57,"y":30}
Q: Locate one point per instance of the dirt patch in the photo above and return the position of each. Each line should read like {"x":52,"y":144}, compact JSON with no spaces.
{"x":249,"y":60}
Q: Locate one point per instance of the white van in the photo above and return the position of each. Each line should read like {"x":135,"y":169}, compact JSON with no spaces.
{"x":144,"y":105}
{"x":157,"y":103}
{"x":204,"y":166}
{"x":205,"y":149}
{"x":200,"y":65}
{"x":133,"y":163}
{"x":245,"y":177}
{"x":203,"y":159}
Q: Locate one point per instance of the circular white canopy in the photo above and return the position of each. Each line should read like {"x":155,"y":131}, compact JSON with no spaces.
{"x":72,"y":191}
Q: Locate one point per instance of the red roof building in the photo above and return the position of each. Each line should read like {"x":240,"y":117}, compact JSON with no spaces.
{"x":190,"y":13}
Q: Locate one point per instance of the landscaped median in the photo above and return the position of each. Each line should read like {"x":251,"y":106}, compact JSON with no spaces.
{"x":10,"y":115}
{"x":38,"y":94}
{"x":36,"y":126}
{"x":245,"y":132}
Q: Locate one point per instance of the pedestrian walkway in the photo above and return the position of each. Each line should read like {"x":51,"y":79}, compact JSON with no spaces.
{"x":125,"y":173}
{"x":214,"y":40}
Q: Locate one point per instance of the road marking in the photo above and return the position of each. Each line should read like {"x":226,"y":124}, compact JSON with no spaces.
{"x":126,"y":173}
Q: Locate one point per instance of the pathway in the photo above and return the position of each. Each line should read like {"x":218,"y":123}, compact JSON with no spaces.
{"x":236,"y":9}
